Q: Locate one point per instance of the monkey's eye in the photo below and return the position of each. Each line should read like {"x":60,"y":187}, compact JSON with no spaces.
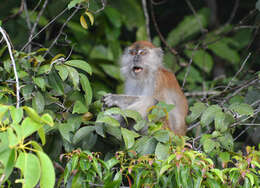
{"x":133,"y":52}
{"x":142,"y":52}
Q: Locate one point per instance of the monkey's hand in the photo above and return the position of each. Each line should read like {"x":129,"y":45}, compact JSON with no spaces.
{"x":121,"y":101}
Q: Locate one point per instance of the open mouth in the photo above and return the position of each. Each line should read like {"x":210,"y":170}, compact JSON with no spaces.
{"x":137,"y":69}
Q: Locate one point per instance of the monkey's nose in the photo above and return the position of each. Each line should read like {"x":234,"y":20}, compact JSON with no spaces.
{"x":136,"y":58}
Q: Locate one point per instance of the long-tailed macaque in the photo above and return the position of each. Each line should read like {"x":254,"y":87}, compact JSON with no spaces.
{"x":147,"y":82}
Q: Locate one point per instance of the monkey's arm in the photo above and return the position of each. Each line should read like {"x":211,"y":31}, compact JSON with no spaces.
{"x":138,"y":103}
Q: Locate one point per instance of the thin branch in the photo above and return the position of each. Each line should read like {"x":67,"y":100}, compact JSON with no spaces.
{"x":188,"y":69}
{"x":54,"y":19}
{"x":14,"y":66}
{"x":27,"y":17}
{"x":193,"y":126}
{"x":233,"y":13}
{"x":16,"y":14}
{"x":147,"y":20}
{"x":36,"y":22}
{"x":240,"y":69}
{"x":172,"y":50}
{"x":61,"y":29}
{"x":239,"y":90}
{"x":104,"y":3}
{"x":201,"y":93}
{"x":202,"y":29}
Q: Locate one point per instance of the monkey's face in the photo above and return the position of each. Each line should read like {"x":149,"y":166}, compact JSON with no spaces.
{"x":140,"y":61}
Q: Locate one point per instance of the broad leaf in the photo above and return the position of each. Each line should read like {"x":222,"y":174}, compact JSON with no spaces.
{"x":129,"y":137}
{"x":209,"y":115}
{"x":83,"y":65}
{"x":47,"y":179}
{"x":82,"y":133}
{"x":30,"y":168}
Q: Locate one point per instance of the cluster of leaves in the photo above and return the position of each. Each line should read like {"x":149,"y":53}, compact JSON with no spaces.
{"x":219,"y":121}
{"x":183,"y":168}
{"x":19,"y":151}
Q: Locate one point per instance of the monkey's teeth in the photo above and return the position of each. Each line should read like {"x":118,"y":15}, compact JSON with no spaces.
{"x":137,"y":69}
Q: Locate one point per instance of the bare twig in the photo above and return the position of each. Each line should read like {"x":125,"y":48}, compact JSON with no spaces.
{"x":172,"y":50}
{"x":54,"y":19}
{"x":36,"y":23}
{"x":202,"y":29}
{"x":147,"y":20}
{"x":240,"y":69}
{"x":239,"y":90}
{"x":16,"y":14}
{"x":188,"y":69}
{"x":61,"y":29}
{"x":201,"y":93}
{"x":233,"y":13}
{"x":193,"y":126}
{"x":27,"y":17}
{"x":14,"y":66}
{"x":104,"y":3}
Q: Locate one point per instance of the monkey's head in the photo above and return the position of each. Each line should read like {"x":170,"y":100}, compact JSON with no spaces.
{"x":141,"y":60}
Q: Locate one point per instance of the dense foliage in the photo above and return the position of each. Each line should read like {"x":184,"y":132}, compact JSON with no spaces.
{"x":54,"y":130}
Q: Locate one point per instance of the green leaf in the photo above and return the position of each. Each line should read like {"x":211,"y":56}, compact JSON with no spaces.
{"x":79,"y":108}
{"x":46,"y":118}
{"x":3,"y":110}
{"x":16,"y":114}
{"x":73,"y":3}
{"x":201,"y":58}
{"x":40,"y":82}
{"x":162,"y":136}
{"x":162,"y":151}
{"x":47,"y":171}
{"x":224,"y":156}
{"x":12,"y":138}
{"x":221,"y":48}
{"x":74,"y":76}
{"x":111,"y":163}
{"x":86,"y":88}
{"x":41,"y":134}
{"x":226,"y":141}
{"x":38,"y":102}
{"x":112,"y":70}
{"x":114,"y":16}
{"x":44,"y":69}
{"x":7,"y":156}
{"x":107,"y":119}
{"x":209,"y":145}
{"x":30,"y":126}
{"x":223,"y":120}
{"x":242,"y":109}
{"x":129,"y":137}
{"x":133,"y":114}
{"x":209,"y":115}
{"x":145,"y":145}
{"x":62,"y":71}
{"x":114,"y":131}
{"x":196,"y":110}
{"x":83,"y":65}
{"x":32,"y":114}
{"x":56,"y":83}
{"x":189,"y":26}
{"x":219,"y":173}
{"x":82,"y":133}
{"x":30,"y":168}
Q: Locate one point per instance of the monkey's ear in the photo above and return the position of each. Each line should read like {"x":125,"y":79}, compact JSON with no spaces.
{"x":158,"y":51}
